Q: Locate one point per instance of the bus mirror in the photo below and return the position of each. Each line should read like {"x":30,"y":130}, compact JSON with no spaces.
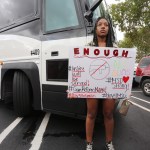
{"x":88,"y":14}
{"x":87,"y":7}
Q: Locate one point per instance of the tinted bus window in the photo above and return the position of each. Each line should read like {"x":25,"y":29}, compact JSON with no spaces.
{"x":12,"y":11}
{"x":60,"y":14}
{"x":57,"y":70}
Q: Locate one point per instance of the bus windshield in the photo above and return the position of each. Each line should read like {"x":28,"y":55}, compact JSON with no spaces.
{"x":56,"y":15}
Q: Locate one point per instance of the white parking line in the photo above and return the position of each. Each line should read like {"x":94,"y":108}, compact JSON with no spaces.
{"x":9,"y":129}
{"x":144,"y":108}
{"x":136,"y":91}
{"x":140,"y":99}
{"x":36,"y":143}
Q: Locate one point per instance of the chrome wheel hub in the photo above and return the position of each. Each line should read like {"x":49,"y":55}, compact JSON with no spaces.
{"x":147,"y":87}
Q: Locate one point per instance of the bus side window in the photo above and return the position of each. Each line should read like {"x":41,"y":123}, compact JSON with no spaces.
{"x":13,"y":11}
{"x":58,"y":17}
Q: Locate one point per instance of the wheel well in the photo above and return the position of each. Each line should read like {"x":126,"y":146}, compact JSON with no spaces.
{"x":31,"y":70}
{"x":144,"y":78}
{"x":7,"y":86}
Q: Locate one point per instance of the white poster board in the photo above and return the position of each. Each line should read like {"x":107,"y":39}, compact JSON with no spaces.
{"x":100,"y":72}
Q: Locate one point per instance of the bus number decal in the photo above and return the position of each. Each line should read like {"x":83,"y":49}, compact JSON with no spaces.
{"x":35,"y":52}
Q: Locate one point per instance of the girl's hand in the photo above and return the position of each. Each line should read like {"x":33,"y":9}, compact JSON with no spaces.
{"x":69,"y":95}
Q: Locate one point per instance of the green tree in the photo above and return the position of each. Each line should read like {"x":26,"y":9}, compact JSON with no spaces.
{"x":133,"y":18}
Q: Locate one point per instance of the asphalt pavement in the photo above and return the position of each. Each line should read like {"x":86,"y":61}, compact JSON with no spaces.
{"x":45,"y":131}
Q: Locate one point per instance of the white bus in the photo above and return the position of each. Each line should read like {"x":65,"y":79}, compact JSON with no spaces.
{"x":34,"y":35}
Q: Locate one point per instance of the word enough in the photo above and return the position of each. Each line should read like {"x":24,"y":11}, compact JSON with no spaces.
{"x":97,"y":52}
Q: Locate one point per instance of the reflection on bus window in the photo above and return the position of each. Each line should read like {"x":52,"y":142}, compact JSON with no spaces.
{"x":57,"y":70}
{"x":99,"y":10}
{"x":13,"y":11}
{"x":60,"y":16}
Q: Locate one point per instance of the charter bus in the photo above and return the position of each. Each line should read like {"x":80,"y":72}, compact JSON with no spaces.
{"x":34,"y":35}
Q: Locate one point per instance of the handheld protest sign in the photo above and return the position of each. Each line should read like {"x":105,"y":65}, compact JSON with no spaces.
{"x":100,"y":72}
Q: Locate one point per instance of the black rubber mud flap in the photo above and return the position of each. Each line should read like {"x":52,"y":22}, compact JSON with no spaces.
{"x":21,"y":94}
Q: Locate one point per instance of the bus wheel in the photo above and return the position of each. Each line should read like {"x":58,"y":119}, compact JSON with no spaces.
{"x":21,"y":94}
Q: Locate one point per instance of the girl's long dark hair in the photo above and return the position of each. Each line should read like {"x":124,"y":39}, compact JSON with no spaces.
{"x":109,"y":42}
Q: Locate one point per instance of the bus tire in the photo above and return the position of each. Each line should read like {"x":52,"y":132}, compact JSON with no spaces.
{"x":21,"y":94}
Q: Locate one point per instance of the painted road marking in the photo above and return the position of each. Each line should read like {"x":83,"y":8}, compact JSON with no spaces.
{"x":136,"y":91}
{"x":9,"y":129}
{"x":144,"y":108}
{"x":140,"y":99}
{"x":36,"y":143}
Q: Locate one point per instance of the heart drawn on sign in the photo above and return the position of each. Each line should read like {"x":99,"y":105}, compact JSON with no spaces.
{"x":125,"y":79}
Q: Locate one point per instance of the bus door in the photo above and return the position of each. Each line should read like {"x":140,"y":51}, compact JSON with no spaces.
{"x":63,"y":27}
